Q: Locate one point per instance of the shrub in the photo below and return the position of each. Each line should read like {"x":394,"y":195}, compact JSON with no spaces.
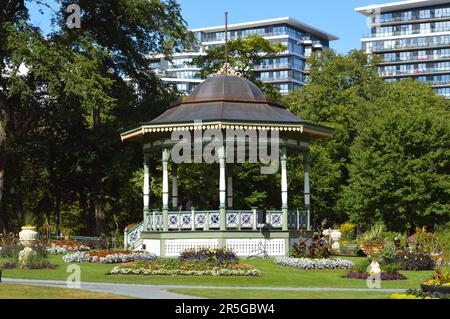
{"x":390,"y":268}
{"x":317,"y":249}
{"x":414,"y":261}
{"x":215,"y":255}
{"x":388,"y":252}
{"x":10,"y":251}
{"x":31,"y":265}
{"x":8,"y":265}
{"x":311,"y":264}
{"x":383,"y":275}
{"x":347,"y":230}
{"x":362,"y":266}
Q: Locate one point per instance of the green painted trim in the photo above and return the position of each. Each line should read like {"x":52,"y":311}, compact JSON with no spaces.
{"x":218,"y":234}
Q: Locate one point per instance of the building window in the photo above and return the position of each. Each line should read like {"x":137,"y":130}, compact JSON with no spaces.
{"x":425,"y":14}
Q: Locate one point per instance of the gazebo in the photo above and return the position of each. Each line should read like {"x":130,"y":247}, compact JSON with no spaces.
{"x":223,"y":103}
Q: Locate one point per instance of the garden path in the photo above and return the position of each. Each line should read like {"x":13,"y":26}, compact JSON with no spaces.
{"x":160,"y":291}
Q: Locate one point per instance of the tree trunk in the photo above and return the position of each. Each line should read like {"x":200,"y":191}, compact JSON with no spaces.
{"x":100,"y":225}
{"x":99,"y":201}
{"x":58,"y":212}
{"x":3,"y":121}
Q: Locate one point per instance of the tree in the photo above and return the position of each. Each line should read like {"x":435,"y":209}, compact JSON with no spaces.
{"x":341,"y":91}
{"x":400,"y":161}
{"x":243,"y":55}
{"x":61,"y":118}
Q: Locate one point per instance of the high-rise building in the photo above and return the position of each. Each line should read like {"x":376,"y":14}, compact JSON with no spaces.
{"x":287,"y":71}
{"x":413,"y":40}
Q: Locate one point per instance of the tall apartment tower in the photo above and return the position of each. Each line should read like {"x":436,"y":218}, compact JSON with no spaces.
{"x":413,"y":40}
{"x":287,"y":71}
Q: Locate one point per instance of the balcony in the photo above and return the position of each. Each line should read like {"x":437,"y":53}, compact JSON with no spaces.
{"x":415,"y":18}
{"x":404,"y":33}
{"x":273,"y":66}
{"x":439,"y":83}
{"x":413,"y":72}
{"x":431,"y":57}
{"x":412,"y":46}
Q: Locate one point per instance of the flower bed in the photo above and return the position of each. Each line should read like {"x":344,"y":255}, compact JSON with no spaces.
{"x":313,"y":264}
{"x":439,"y":283}
{"x":34,"y":265}
{"x":107,"y":257}
{"x":59,"y":247}
{"x":183,"y":268}
{"x":383,"y":275}
{"x":215,"y":255}
{"x":419,"y":294}
{"x":414,"y":261}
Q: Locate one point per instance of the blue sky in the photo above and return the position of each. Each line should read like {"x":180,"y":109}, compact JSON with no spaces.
{"x":334,"y":16}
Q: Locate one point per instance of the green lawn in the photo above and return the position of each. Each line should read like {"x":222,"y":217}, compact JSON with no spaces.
{"x":272,"y":276}
{"x":12,"y":291}
{"x":270,"y":294}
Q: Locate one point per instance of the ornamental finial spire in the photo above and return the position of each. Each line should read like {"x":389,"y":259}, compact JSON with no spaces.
{"x":226,"y":68}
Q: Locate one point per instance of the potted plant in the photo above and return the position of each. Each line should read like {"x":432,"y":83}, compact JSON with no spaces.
{"x":372,"y":243}
{"x":438,"y":283}
{"x":28,"y":234}
{"x":27,"y":237}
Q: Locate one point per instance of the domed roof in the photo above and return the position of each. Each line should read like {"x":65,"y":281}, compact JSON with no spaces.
{"x":226,"y":98}
{"x":226,"y":88}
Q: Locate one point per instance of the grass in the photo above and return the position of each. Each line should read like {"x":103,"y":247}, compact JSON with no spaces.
{"x":279,"y":294}
{"x":272,"y":276}
{"x":12,"y":291}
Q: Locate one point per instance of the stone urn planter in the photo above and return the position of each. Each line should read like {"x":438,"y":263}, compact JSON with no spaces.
{"x":443,"y":290}
{"x":374,"y":253}
{"x":27,"y":237}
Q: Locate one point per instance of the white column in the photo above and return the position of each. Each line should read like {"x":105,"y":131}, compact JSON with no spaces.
{"x":284,"y":184}
{"x":174,"y":187}
{"x":307,"y":192}
{"x":165,"y":181}
{"x":230,"y":192}
{"x":165,"y":188}
{"x":222,"y":185}
{"x":222,"y":188}
{"x":284,"y":188}
{"x":146,"y":188}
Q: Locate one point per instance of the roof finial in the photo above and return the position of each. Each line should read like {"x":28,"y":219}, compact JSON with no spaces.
{"x":226,"y":42}
{"x":226,"y":69}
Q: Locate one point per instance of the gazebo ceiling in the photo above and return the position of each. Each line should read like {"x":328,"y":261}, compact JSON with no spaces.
{"x":227,"y":101}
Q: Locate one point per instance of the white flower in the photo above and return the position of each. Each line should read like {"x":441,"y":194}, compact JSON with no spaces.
{"x":309,"y":263}
{"x":335,"y":235}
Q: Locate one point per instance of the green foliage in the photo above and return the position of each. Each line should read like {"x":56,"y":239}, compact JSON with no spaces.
{"x":390,"y":268}
{"x":315,"y":250}
{"x":414,"y":261}
{"x":400,"y":161}
{"x":373,"y":237}
{"x":361,"y":267}
{"x":60,"y":147}
{"x":244,"y":54}
{"x":442,"y":235}
{"x":340,"y":93}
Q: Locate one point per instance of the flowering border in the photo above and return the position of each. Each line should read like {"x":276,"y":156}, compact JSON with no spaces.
{"x":314,"y":264}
